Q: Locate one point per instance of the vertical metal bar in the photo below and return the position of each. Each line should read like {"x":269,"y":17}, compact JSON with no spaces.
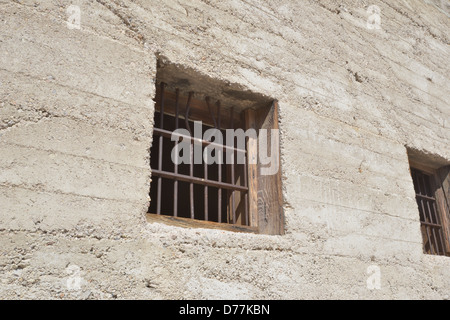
{"x":427,"y":192}
{"x":219,"y":192}
{"x":423,"y":227}
{"x":425,"y":217}
{"x":205,"y":188}
{"x":440,"y":230}
{"x":186,"y":114}
{"x":160,"y":151}
{"x":246,"y":192}
{"x":175,"y":183}
{"x":427,"y":212}
{"x":206,"y":192}
{"x":233,"y":209}
{"x":427,"y":233}
{"x":433,"y":229}
{"x":191,"y":173}
{"x":211,"y":113}
{"x":205,"y":168}
{"x":428,"y":229}
{"x":191,"y":155}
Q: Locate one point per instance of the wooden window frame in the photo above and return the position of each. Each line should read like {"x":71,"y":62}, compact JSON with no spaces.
{"x":265,"y":203}
{"x":440,"y":180}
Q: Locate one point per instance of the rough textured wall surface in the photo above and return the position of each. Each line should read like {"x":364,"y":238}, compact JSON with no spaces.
{"x":76,"y":114}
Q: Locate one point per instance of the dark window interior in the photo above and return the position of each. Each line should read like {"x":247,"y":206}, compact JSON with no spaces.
{"x":167,"y":201}
{"x":430,"y":218}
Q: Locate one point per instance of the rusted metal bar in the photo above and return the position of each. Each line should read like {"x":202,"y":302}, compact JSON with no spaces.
{"x":197,"y":180}
{"x":207,"y":99}
{"x":175,"y":183}
{"x":246,"y":193}
{"x":205,"y":168}
{"x":440,"y":237}
{"x":186,"y":115}
{"x":191,"y":185}
{"x":169,"y":134}
{"x":433,"y":225}
{"x":433,"y":214}
{"x":233,"y":209}
{"x":160,"y":151}
{"x":205,"y":189}
{"x":433,"y":231}
{"x":191,"y":157}
{"x":425,"y":197}
{"x":219,"y":192}
{"x":440,"y":229}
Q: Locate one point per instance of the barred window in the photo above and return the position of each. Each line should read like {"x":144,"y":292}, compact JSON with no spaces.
{"x":431,"y":188}
{"x":206,"y":167}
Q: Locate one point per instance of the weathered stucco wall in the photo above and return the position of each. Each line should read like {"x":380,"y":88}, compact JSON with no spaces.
{"x":76,"y":115}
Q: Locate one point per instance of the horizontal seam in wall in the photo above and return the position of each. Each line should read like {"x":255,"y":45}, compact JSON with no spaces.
{"x":77,"y":156}
{"x":344,"y":179}
{"x":386,"y":155}
{"x":69,"y":234}
{"x":39,"y":188}
{"x":375,"y":174}
{"x":327,"y":179}
{"x":364,"y":210}
{"x":53,"y":49}
{"x":59,"y":84}
{"x":341,"y":233}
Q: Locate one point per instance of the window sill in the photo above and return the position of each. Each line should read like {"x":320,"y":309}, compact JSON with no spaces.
{"x":192,"y":223}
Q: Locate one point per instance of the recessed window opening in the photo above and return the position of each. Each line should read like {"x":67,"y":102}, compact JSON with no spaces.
{"x":432,"y":229}
{"x":210,"y":192}
{"x":198,"y":118}
{"x":431,"y":178}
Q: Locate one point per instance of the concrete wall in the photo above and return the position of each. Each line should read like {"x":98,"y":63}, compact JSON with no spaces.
{"x":76,"y":115}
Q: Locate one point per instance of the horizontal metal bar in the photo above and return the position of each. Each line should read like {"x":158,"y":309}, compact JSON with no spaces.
{"x":169,"y":134}
{"x":201,"y":181}
{"x":425,"y":197}
{"x":429,"y":224}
